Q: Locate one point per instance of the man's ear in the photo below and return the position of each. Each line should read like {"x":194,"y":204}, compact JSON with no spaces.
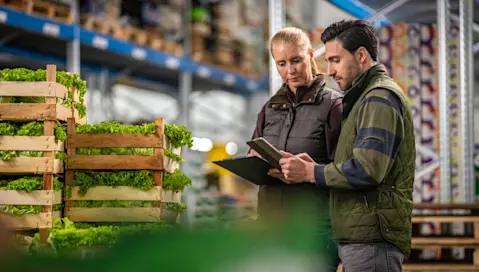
{"x":362,"y":54}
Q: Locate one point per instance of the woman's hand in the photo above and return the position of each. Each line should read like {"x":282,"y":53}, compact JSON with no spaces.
{"x":253,"y":152}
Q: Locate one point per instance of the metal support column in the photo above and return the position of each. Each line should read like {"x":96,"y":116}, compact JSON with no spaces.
{"x":106,"y":97}
{"x":73,"y":47}
{"x":186,"y":78}
{"x":466,"y":131}
{"x":444,"y":116}
{"x":277,"y":20}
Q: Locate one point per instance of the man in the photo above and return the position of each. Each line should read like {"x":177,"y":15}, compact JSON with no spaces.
{"x":371,"y":178}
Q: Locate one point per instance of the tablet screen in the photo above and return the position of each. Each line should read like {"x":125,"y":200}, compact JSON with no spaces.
{"x":266,"y":150}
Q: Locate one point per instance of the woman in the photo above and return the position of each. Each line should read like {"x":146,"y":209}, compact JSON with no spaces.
{"x":302,"y":117}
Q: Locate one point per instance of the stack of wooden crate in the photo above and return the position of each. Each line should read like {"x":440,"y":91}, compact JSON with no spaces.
{"x":55,"y":115}
{"x":47,"y":166}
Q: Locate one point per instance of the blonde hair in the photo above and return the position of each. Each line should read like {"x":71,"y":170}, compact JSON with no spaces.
{"x":296,"y":36}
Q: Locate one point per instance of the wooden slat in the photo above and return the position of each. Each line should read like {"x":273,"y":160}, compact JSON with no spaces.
{"x":170,"y":197}
{"x":159,"y":155}
{"x":31,"y":221}
{"x":444,"y":219}
{"x":39,"y":89}
{"x":63,"y":112}
{"x":114,"y":162}
{"x":439,"y":206}
{"x":39,"y":197}
{"x":439,"y":267}
{"x":426,"y":242}
{"x":27,"y":111}
{"x":113,"y":214}
{"x":117,"y":193}
{"x":115,"y":140}
{"x":31,"y":143}
{"x":170,"y":165}
{"x":32,"y":165}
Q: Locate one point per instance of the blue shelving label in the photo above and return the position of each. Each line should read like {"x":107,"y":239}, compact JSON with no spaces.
{"x":51,"y":29}
{"x":100,"y":42}
{"x":230,"y":79}
{"x":138,"y":53}
{"x":3,"y":17}
{"x":252,"y":85}
{"x":172,"y":63}
{"x":204,"y":72}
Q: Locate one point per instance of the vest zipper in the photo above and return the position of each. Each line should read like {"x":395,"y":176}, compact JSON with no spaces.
{"x":366,"y":202}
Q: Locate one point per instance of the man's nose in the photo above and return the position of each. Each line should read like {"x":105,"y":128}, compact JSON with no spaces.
{"x":331,"y":71}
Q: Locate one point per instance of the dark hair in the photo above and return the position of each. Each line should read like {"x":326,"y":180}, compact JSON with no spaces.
{"x":353,"y":34}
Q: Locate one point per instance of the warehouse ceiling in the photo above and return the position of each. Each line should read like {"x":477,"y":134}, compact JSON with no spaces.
{"x":424,"y":12}
{"x":418,"y":11}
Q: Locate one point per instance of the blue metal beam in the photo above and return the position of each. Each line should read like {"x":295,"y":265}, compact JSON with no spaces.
{"x":46,"y":59}
{"x":358,"y":9}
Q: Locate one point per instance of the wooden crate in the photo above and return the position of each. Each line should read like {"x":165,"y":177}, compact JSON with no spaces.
{"x":43,"y":220}
{"x":48,"y":111}
{"x":107,"y":26}
{"x":157,"y":163}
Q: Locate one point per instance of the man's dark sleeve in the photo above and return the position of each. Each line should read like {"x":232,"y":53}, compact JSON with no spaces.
{"x":333,"y":127}
{"x":380,"y":131}
{"x":258,"y":131}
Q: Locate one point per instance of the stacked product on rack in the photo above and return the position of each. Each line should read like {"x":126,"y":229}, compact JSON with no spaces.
{"x":102,"y":16}
{"x":34,"y":108}
{"x":165,"y":22}
{"x":224,"y":34}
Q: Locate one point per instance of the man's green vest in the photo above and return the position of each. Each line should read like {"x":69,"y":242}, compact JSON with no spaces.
{"x":383,"y":213}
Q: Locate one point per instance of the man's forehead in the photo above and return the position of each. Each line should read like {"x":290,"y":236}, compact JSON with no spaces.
{"x":333,"y":48}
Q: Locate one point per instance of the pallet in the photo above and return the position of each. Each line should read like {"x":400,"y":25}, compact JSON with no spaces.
{"x":173,"y":48}
{"x":422,"y":267}
{"x":38,"y":7}
{"x":106,"y":26}
{"x":158,"y":163}
{"x":434,"y":242}
{"x":50,"y":10}
{"x":135,"y":35}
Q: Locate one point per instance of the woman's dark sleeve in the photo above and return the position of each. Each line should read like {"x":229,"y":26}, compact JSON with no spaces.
{"x":333,"y":129}
{"x":258,"y":131}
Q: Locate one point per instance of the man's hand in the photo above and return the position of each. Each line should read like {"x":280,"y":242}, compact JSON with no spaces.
{"x":297,"y":169}
{"x":306,"y":157}
{"x":275,"y":173}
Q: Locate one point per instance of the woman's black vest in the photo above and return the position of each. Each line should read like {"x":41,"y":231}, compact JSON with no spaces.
{"x":297,"y":125}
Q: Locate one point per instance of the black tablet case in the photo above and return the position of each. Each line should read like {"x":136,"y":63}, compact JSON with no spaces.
{"x":253,"y":169}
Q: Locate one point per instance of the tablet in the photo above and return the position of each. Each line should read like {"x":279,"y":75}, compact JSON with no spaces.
{"x":267,"y":151}
{"x":254,"y":169}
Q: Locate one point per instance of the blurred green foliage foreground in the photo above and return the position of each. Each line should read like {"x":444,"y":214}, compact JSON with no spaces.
{"x":293,"y":245}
